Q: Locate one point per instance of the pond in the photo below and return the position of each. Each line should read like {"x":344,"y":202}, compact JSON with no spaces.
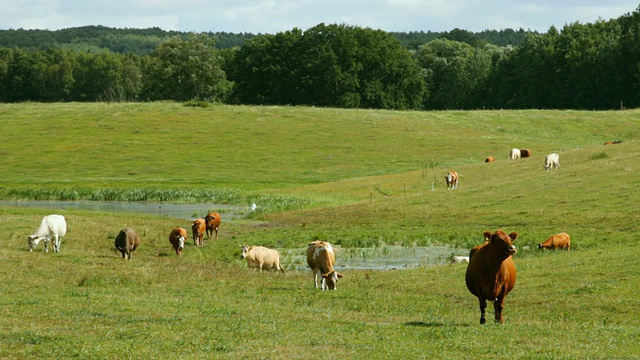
{"x":179,"y":211}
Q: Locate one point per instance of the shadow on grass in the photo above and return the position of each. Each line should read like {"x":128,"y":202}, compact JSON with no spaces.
{"x":433,"y":324}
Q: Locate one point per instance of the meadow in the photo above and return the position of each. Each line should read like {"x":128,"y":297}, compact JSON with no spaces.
{"x":356,"y":178}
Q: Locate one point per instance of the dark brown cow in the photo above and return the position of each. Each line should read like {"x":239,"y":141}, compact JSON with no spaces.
{"x":489,"y":159}
{"x":127,"y":241}
{"x":491,"y":273}
{"x":557,"y":241}
{"x":213,"y":223}
{"x":177,"y":238}
{"x":525,"y":153}
{"x":198,"y":229}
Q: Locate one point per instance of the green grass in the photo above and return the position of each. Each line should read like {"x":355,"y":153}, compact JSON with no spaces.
{"x":354,"y":177}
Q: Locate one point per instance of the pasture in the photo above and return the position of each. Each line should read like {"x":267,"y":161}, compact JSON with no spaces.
{"x":355,"y":178}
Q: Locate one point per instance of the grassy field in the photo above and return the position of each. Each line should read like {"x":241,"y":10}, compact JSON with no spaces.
{"x":357,"y":178}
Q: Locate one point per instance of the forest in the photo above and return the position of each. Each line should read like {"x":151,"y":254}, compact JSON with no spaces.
{"x":580,"y":66}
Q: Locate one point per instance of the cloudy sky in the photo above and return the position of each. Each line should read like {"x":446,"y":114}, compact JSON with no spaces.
{"x":273,"y":16}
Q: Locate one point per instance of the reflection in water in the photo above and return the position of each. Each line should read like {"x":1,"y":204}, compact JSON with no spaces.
{"x":180,"y":211}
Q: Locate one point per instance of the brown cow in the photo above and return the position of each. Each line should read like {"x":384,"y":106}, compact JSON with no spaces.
{"x":197,"y":229}
{"x":321,"y":258}
{"x":452,"y":180}
{"x":525,"y":153}
{"x":489,"y":159}
{"x":127,"y":241}
{"x":491,"y":273}
{"x":613,"y":142}
{"x":177,"y":238}
{"x":557,"y":241}
{"x":213,"y":223}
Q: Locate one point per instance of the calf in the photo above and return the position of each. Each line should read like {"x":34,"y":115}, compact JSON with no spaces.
{"x":261,"y":257}
{"x":198,"y":229}
{"x":127,"y":241}
{"x":491,"y":273}
{"x":177,"y":237}
{"x":321,"y":258}
{"x":557,"y":241}
{"x":51,"y":227}
{"x":514,"y":154}
{"x":552,"y":162}
{"x":452,"y":180}
{"x":213,"y":224}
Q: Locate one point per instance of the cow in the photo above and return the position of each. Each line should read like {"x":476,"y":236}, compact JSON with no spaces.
{"x":452,"y":180}
{"x":261,"y":257}
{"x":198,"y":229}
{"x":552,"y":162}
{"x":613,"y":142}
{"x":514,"y":154}
{"x":557,"y":241}
{"x":489,"y":159}
{"x":177,"y":237}
{"x":127,"y":241}
{"x":525,"y":153}
{"x":213,"y":224}
{"x":321,"y":258}
{"x":459,"y":259}
{"x":491,"y":273}
{"x":52,"y":227}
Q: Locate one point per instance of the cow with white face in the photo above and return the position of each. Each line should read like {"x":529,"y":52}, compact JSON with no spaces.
{"x":52,"y":227}
{"x":452,"y":180}
{"x":321,"y":258}
{"x":514,"y":154}
{"x":552,"y":162}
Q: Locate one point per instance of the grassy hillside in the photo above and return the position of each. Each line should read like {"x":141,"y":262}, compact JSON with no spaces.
{"x":362,"y":178}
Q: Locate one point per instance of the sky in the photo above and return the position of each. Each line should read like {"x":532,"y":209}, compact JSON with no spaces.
{"x":273,"y":16}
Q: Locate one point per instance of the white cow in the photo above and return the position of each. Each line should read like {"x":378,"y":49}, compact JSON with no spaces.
{"x":514,"y":154}
{"x":261,"y":257}
{"x":459,"y":259}
{"x":552,"y":162}
{"x":52,"y":227}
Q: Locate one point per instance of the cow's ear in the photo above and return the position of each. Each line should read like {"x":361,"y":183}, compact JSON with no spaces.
{"x":339,"y":275}
{"x":513,"y":236}
{"x":487,"y":235}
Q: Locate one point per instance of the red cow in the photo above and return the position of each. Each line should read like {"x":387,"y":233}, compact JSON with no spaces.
{"x":525,"y":153}
{"x":198,"y":229}
{"x":177,"y":238}
{"x":491,"y":273}
{"x":489,"y":159}
{"x":452,"y":180}
{"x":557,"y":241}
{"x":213,"y":223}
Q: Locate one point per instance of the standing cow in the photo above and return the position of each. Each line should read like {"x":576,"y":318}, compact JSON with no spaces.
{"x":321,"y":258}
{"x":177,"y":237}
{"x":514,"y":154}
{"x":51,"y":227}
{"x":525,"y":153}
{"x":127,"y":241}
{"x":197,"y":229}
{"x":557,"y":241}
{"x":213,"y":224}
{"x":261,"y":257}
{"x":452,"y":180}
{"x":552,"y":162}
{"x":491,"y":273}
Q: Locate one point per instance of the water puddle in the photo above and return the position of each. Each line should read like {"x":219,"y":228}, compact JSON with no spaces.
{"x":179,"y":211}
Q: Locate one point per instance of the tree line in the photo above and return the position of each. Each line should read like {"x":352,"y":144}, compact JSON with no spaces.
{"x":581,"y":66}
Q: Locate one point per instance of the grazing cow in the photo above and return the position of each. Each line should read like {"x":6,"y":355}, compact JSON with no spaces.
{"x":198,"y":229}
{"x":51,"y":227}
{"x":177,"y":237}
{"x":557,"y":241}
{"x":552,"y":162}
{"x":491,"y":273}
{"x":213,"y":223}
{"x":613,"y":142}
{"x":321,"y":258}
{"x":514,"y":154}
{"x":261,"y":257}
{"x":489,"y":159}
{"x":459,"y":259}
{"x":127,"y":241}
{"x":452,"y":180}
{"x":525,"y":153}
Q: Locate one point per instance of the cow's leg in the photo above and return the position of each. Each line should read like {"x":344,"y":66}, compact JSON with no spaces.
{"x":498,"y":305}
{"x":483,"y":308}
{"x":56,"y":243}
{"x":46,"y":246}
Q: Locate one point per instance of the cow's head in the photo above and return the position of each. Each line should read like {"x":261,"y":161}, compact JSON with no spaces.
{"x":503,"y":242}
{"x":245,"y":251}
{"x":330,"y":280}
{"x":34,"y":240}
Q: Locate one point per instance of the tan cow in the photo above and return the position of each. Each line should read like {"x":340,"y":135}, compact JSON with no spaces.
{"x":261,"y":257}
{"x":489,"y":159}
{"x":213,"y":223}
{"x":321,"y":258}
{"x":198,"y":229}
{"x":177,"y":237}
{"x":127,"y":241}
{"x":557,"y":241}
